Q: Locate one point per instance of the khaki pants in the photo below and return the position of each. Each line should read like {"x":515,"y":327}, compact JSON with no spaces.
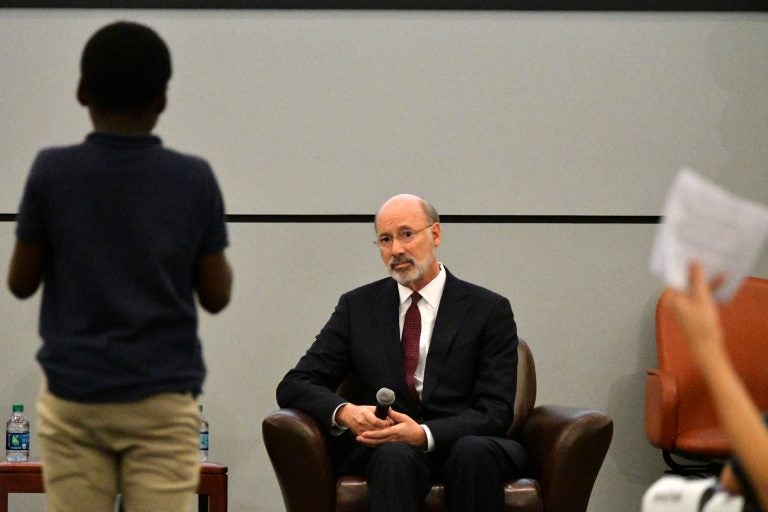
{"x":146,"y":450}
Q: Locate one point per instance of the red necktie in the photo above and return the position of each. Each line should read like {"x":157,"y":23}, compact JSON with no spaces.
{"x":411,"y":335}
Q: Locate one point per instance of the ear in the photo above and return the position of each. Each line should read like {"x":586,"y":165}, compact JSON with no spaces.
{"x":82,"y":94}
{"x":436,"y":231}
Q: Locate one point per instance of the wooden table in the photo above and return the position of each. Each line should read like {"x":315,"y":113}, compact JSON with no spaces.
{"x":27,"y":477}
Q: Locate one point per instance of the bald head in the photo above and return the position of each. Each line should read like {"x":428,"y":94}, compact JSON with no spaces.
{"x":408,"y":234}
{"x":408,"y":202}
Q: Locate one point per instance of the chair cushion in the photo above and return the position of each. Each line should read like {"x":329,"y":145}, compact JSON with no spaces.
{"x":521,"y":495}
{"x":710,"y":441}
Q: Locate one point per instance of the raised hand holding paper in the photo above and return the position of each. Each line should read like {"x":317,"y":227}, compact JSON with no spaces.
{"x":704,"y":222}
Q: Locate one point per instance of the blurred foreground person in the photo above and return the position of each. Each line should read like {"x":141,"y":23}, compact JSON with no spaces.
{"x":122,"y":233}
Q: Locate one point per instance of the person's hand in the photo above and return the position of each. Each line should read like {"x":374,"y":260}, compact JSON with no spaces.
{"x":728,"y":480}
{"x":360,"y":418}
{"x":405,"y":429}
{"x":696,"y":309}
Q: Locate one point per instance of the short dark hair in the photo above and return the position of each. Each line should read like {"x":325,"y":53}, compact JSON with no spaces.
{"x":124,"y":66}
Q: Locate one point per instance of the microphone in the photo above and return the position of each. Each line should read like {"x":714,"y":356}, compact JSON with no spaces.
{"x":385,"y":397}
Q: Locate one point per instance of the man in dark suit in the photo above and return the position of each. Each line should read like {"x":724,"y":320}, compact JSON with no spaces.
{"x":450,"y":355}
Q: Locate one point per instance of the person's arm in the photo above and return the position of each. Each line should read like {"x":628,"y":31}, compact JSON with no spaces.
{"x":310,"y":385}
{"x":26,"y":269}
{"x":696,"y":311}
{"x":213,"y":281}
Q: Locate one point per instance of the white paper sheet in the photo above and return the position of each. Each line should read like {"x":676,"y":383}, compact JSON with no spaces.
{"x":702,"y":221}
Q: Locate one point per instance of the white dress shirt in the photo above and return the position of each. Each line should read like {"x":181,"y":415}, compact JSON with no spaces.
{"x":428,"y":306}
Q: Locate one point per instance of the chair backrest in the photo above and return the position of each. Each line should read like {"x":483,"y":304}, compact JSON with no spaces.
{"x":745,"y":326}
{"x":525,"y":396}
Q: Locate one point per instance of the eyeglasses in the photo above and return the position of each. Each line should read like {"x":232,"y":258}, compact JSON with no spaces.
{"x":405,"y":236}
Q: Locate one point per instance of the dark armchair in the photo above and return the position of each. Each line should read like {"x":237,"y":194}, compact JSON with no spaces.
{"x":566,"y":446}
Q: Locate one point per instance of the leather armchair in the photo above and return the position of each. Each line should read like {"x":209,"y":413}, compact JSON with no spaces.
{"x":566,"y":447}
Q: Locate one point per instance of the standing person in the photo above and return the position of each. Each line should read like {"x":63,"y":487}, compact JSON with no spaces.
{"x":455,"y":390}
{"x":696,"y":312}
{"x":122,"y":233}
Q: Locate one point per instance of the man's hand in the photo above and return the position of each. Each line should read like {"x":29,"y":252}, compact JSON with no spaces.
{"x":403,"y":429}
{"x":360,"y":418}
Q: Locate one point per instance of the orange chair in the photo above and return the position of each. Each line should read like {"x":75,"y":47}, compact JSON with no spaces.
{"x":679,"y":415}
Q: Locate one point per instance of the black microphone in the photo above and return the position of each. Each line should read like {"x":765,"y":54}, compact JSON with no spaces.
{"x":385,"y":397}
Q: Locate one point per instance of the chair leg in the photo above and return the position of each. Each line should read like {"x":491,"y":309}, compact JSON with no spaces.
{"x":702,"y":468}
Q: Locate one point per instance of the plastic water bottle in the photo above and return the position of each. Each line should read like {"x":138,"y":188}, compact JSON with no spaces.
{"x":203,"y":438}
{"x":17,"y":436}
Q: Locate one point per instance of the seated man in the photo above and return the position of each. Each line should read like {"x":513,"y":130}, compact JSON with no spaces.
{"x":446,"y":347}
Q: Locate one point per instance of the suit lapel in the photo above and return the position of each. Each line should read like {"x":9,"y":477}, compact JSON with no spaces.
{"x":450,"y":315}
{"x":386,"y":329}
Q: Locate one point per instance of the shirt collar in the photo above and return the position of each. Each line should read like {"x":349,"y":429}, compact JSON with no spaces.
{"x":431,"y":293}
{"x":123,"y":141}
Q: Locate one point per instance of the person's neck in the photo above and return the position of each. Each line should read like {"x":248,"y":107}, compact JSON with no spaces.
{"x":123,"y":123}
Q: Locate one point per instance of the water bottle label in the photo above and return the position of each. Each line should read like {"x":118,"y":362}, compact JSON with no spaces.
{"x":204,"y":440}
{"x":16,"y":441}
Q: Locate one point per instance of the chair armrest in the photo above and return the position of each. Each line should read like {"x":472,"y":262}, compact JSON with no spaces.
{"x":566,"y":447}
{"x":296,"y":447}
{"x":660,"y":413}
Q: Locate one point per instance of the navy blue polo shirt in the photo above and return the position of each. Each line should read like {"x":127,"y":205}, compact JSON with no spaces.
{"x":123,"y":220}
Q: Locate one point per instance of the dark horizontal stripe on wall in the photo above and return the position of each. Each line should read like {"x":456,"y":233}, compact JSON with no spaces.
{"x":299,"y":218}
{"x":529,"y":5}
{"x":458,"y":219}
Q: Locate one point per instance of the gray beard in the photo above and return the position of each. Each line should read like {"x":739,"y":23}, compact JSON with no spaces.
{"x":414,"y":274}
{"x":404,"y":278}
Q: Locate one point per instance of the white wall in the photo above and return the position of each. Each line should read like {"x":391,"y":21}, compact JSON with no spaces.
{"x":319,"y":111}
{"x":581,"y":113}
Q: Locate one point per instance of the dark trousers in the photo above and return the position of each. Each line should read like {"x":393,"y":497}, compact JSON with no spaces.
{"x":473,"y":471}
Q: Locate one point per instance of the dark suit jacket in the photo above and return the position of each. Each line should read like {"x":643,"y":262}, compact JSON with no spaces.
{"x":471,"y":371}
